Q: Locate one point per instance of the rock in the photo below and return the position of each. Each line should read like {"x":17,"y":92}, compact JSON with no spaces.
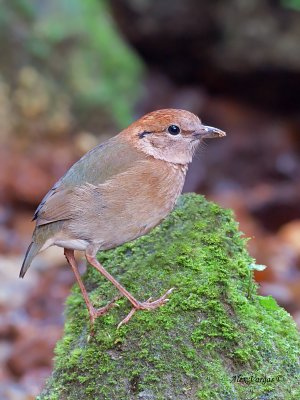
{"x":290,"y":234}
{"x":24,"y":356}
{"x":225,"y":45}
{"x":13,"y":392}
{"x":34,"y":379}
{"x":13,"y":291}
{"x":146,"y":395}
{"x":215,"y":338}
{"x":209,"y":26}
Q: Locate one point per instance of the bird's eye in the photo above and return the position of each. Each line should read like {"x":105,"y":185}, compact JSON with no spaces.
{"x":174,"y":129}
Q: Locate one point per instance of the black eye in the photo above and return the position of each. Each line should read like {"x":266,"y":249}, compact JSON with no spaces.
{"x":174,"y":129}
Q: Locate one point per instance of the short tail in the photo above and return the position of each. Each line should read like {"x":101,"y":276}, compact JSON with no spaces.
{"x":31,"y":252}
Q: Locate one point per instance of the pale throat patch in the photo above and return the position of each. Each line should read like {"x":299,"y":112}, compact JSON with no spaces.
{"x":177,"y":154}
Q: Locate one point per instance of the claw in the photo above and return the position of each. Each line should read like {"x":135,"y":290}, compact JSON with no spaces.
{"x":95,"y":313}
{"x":126,"y":319}
{"x":147,"y":305}
{"x":103,"y":310}
{"x":169,"y":291}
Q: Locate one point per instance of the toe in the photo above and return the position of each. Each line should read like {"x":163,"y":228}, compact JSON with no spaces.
{"x":125,"y":320}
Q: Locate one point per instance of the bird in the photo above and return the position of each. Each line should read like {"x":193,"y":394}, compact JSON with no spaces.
{"x":117,"y":192}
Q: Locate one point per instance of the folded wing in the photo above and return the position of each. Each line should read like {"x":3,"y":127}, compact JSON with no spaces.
{"x":93,"y":169}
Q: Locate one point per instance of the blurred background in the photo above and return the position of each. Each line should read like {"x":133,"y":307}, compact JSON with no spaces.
{"x":73,"y":73}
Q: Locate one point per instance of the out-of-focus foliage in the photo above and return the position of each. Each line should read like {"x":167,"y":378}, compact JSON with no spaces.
{"x":294,"y":4}
{"x":63,"y":65}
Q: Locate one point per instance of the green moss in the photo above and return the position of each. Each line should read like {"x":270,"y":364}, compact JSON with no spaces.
{"x":212,"y":340}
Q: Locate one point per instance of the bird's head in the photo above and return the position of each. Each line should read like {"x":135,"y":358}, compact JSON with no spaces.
{"x":171,"y":135}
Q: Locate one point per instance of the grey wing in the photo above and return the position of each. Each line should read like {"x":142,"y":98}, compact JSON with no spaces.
{"x":93,"y":169}
{"x":66,"y":204}
{"x":45,"y":198}
{"x":76,"y":175}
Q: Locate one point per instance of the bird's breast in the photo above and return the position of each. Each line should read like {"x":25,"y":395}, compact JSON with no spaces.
{"x":140,"y":199}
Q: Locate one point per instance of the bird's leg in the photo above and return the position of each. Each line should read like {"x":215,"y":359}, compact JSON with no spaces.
{"x":93,"y":312}
{"x":137,"y":305}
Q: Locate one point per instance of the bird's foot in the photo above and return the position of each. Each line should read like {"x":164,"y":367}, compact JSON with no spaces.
{"x":147,"y":305}
{"x":97,"y":312}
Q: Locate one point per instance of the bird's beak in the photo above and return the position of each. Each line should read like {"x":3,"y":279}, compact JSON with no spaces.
{"x":209,"y":132}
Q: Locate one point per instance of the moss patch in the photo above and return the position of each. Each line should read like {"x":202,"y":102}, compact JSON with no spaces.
{"x":214,"y":339}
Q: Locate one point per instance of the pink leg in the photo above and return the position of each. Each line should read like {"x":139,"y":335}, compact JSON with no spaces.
{"x":146,"y":305}
{"x":93,"y":313}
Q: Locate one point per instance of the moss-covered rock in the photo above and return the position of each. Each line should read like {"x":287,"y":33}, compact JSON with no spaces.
{"x":215,"y":339}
